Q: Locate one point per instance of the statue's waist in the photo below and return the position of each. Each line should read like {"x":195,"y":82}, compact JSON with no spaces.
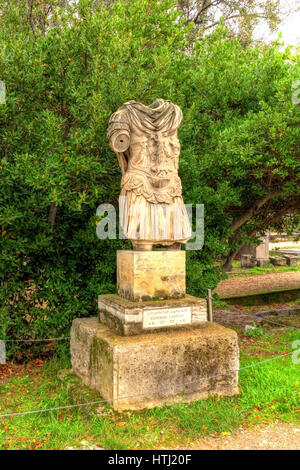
{"x":156,"y":171}
{"x":154,"y":188}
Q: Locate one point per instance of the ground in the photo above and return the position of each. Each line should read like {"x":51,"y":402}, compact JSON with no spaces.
{"x":241,"y":285}
{"x":269,"y":393}
{"x":265,"y":414}
{"x":285,"y":245}
{"x":279,"y":436}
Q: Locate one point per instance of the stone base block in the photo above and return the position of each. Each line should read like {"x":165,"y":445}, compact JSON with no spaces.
{"x":261,"y":262}
{"x":278,"y":261}
{"x":248,"y":261}
{"x":292,"y":260}
{"x":146,"y":275}
{"x":149,"y":370}
{"x":131,"y":318}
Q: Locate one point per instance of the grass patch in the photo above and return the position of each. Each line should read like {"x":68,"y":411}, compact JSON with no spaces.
{"x":268,"y":269}
{"x":267,"y":392}
{"x":220,"y":303}
{"x":256,"y":332}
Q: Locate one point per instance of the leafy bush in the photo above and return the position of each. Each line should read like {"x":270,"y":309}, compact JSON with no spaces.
{"x":256,"y":332}
{"x":65,"y":72}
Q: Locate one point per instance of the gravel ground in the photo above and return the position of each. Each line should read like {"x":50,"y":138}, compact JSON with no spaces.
{"x":259,"y":283}
{"x":274,"y":436}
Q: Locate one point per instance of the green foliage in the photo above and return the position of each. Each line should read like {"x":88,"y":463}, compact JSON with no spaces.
{"x":65,"y":74}
{"x":269,"y":268}
{"x":256,"y":332}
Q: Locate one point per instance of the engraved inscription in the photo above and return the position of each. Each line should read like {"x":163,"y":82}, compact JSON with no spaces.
{"x":166,"y":317}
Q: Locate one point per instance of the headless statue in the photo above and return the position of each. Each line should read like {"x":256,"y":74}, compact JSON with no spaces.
{"x":145,"y":141}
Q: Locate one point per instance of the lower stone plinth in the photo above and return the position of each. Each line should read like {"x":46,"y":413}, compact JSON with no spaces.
{"x":135,"y":372}
{"x":131,"y":318}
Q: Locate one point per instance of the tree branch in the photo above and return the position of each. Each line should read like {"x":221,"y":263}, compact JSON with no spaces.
{"x":268,"y":221}
{"x":236,"y":224}
{"x":255,"y":15}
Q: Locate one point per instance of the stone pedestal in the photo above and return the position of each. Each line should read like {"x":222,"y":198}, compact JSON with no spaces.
{"x":152,"y":343}
{"x":257,"y":251}
{"x":146,"y":275}
{"x":127,"y":318}
{"x":149,"y":370}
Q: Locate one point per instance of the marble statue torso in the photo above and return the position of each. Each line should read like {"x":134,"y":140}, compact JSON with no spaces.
{"x":145,"y":140}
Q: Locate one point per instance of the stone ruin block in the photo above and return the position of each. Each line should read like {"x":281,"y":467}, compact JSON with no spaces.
{"x":142,"y":371}
{"x":248,"y":261}
{"x":261,"y":262}
{"x":278,"y":261}
{"x":292,"y":260}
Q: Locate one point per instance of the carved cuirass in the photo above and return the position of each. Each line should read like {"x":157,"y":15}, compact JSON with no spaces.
{"x":146,"y":143}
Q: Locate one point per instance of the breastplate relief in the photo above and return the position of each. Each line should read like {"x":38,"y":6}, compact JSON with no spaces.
{"x":146,"y":143}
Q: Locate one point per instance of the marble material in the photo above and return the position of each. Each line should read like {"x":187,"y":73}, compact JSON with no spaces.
{"x":145,"y":275}
{"x":161,"y":317}
{"x":150,"y":370}
{"x":145,"y":141}
{"x":128,"y":318}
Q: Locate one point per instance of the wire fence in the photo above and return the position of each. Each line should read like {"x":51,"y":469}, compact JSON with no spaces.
{"x":277,"y":324}
{"x":159,"y":390}
{"x":64,"y":338}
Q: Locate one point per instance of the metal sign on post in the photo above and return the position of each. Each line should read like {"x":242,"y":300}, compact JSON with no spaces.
{"x":2,"y":352}
{"x":209,"y":306}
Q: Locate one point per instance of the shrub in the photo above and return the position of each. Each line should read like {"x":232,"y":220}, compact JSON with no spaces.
{"x":65,"y":74}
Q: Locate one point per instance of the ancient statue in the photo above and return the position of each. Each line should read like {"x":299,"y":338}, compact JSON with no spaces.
{"x":145,"y":141}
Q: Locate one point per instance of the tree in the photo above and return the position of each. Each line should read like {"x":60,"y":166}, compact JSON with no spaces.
{"x":248,"y":139}
{"x":240,"y":17}
{"x":64,"y":77}
{"x":63,"y":81}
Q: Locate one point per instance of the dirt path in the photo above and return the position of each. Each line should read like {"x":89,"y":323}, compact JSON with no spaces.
{"x":258,"y":283}
{"x":274,"y":436}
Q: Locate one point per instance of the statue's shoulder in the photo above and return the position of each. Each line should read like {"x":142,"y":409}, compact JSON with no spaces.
{"x":121,"y":115}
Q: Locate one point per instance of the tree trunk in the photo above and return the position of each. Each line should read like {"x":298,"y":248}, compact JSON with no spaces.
{"x":227,"y":266}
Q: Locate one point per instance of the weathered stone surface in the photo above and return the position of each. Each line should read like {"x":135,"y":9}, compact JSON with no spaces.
{"x":261,"y":262}
{"x":145,"y":275}
{"x":292,"y":260}
{"x":257,"y":251}
{"x":130,"y":318}
{"x":278,"y":261}
{"x":248,"y":261}
{"x":149,"y":370}
{"x":145,"y":141}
